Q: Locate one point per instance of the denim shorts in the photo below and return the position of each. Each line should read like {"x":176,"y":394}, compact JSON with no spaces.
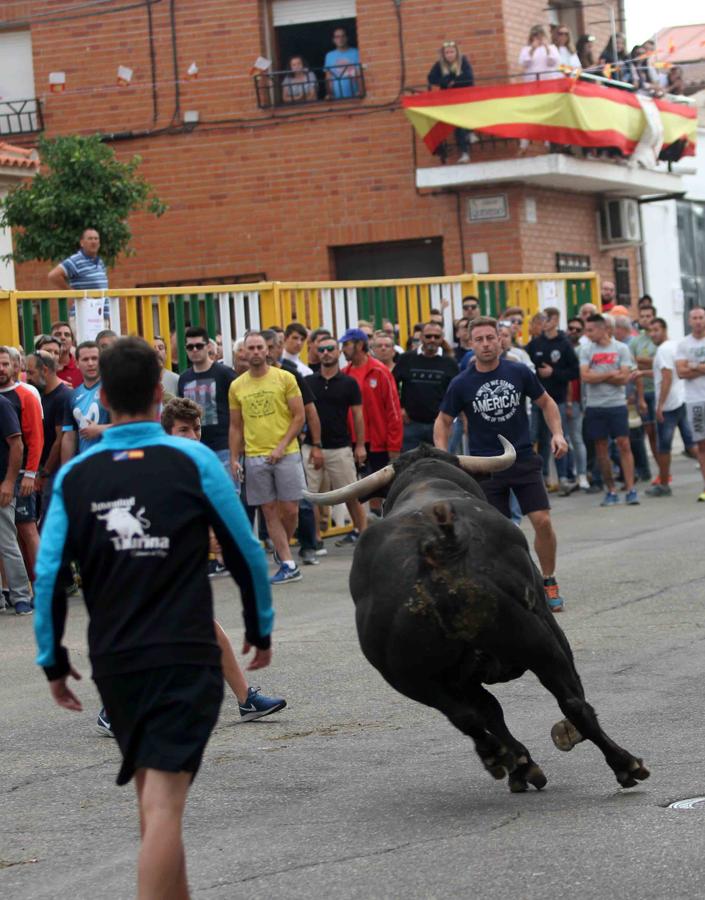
{"x":602,"y":422}
{"x":650,"y":416}
{"x":666,"y":429}
{"x":25,"y":507}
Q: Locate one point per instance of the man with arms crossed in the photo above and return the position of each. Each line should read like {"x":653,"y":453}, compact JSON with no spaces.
{"x":690,"y":365}
{"x":266,"y":416}
{"x":143,"y":553}
{"x":605,"y":369}
{"x":492,"y":394}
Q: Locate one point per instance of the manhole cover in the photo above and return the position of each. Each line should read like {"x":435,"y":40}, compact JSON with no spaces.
{"x":690,"y":803}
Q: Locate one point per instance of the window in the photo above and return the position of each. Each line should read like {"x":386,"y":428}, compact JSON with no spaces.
{"x":567,"y":13}
{"x":622,"y":282}
{"x":302,"y":35}
{"x":572,"y":262}
{"x":19,"y":111}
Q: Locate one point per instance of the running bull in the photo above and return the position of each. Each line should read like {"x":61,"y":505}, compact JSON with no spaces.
{"x":448,"y":599}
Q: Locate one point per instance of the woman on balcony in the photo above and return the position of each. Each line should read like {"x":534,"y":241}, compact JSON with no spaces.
{"x":566,"y":50}
{"x":539,"y":59}
{"x":453,"y":71}
{"x":299,"y":85}
{"x":615,"y":59}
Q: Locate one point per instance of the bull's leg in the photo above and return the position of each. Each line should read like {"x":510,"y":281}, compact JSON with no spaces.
{"x":527,"y":771}
{"x":496,"y":756}
{"x":558,"y":675}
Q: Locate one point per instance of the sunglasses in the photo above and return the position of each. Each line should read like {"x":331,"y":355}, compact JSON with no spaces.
{"x":516,"y":321}
{"x":199,"y":346}
{"x":449,"y":44}
{"x":470,"y":306}
{"x":574,"y":328}
{"x":433,"y":337}
{"x":329,"y":348}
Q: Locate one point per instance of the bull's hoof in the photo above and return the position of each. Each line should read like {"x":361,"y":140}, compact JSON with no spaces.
{"x":636,"y":771}
{"x":521,"y":778}
{"x":500,"y":764}
{"x":565,"y":735}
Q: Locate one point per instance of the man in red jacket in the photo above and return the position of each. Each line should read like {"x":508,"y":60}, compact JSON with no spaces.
{"x":381,"y":408}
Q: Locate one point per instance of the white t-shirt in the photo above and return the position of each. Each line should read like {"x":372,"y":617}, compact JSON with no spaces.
{"x":693,"y":350}
{"x":665,"y":359}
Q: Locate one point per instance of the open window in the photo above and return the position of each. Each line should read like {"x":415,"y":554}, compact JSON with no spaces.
{"x":19,"y":108}
{"x":569,"y":14}
{"x":302,"y":39}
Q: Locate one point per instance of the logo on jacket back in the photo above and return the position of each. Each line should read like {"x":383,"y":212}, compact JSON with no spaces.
{"x":130,"y":529}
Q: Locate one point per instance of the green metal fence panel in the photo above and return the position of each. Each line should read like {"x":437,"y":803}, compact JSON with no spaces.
{"x":211,"y":316}
{"x":45,"y":316}
{"x":194,"y":310}
{"x":28,"y":325}
{"x":578,"y":291}
{"x":63,"y":309}
{"x":363,"y":305}
{"x":180,"y":323}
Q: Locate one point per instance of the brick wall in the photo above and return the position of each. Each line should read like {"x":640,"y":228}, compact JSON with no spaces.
{"x":255,"y":191}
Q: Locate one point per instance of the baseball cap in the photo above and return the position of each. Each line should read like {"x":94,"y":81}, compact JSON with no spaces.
{"x":353,"y":334}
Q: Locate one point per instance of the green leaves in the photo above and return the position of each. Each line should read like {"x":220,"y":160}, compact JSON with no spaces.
{"x":81,"y":184}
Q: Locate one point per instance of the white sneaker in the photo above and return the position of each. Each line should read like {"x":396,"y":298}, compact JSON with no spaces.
{"x":463,"y":158}
{"x":583,"y":483}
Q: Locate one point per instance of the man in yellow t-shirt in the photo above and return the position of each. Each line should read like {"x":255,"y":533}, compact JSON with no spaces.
{"x":266,"y":415}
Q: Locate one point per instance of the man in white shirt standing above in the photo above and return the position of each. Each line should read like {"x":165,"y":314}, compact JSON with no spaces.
{"x":690,"y":365}
{"x":294,"y":340}
{"x":670,"y":405}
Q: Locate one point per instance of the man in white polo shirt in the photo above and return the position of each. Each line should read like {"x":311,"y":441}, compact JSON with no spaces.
{"x":690,"y":364}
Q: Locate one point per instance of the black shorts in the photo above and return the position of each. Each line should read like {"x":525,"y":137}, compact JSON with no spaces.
{"x":162,"y":718}
{"x":25,"y":507}
{"x":525,"y":478}
{"x":376,"y":460}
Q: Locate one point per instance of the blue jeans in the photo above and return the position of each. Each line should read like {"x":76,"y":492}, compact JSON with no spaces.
{"x":545,"y":442}
{"x":416,"y":433}
{"x":456,"y":444}
{"x":578,"y":453}
{"x":666,"y":429}
{"x":224,"y":457}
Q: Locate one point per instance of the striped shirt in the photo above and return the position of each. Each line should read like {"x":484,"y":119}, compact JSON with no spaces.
{"x":87,"y":273}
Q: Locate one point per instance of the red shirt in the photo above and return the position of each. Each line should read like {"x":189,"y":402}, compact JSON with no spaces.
{"x":71,"y":373}
{"x":381,"y":408}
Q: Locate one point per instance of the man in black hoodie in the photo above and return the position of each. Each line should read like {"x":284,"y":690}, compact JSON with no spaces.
{"x":556,"y":366}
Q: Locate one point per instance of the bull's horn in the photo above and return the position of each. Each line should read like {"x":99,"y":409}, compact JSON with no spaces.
{"x":483,"y":465}
{"x":366,"y":485}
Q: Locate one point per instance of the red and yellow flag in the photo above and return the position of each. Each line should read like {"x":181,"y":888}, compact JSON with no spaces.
{"x":562,"y":111}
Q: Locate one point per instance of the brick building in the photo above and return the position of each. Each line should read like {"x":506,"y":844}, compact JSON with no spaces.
{"x":326,"y":189}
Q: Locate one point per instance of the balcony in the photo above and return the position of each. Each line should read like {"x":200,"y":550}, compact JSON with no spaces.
{"x":558,"y":171}
{"x":20,"y":117}
{"x":577,"y":134}
{"x":290,"y":89}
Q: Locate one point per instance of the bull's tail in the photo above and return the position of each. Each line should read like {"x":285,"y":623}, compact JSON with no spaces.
{"x":139,"y":515}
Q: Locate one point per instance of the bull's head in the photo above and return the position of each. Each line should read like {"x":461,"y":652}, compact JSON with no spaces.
{"x":371,"y":484}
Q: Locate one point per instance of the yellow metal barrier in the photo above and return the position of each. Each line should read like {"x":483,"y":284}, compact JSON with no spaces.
{"x":234,"y":309}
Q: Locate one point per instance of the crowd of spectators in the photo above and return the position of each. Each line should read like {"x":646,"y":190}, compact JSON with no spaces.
{"x":278,"y":423}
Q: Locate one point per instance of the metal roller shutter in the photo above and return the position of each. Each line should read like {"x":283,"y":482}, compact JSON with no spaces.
{"x":299,"y":12}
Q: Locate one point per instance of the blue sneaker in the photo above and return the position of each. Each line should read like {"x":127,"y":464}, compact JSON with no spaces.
{"x":611,"y":499}
{"x":257,"y":706}
{"x":632,"y":499}
{"x":102,"y":725}
{"x":285,"y":574}
{"x":553,"y":595}
{"x":352,"y":537}
{"x":23,"y":608}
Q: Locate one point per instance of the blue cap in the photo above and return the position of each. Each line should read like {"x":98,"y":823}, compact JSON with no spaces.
{"x":353,"y":334}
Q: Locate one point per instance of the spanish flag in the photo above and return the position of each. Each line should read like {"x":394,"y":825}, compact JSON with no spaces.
{"x":563,"y":111}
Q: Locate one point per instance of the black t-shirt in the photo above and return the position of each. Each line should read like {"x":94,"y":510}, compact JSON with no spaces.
{"x":9,"y":425}
{"x":494,"y":403}
{"x":558,"y":353}
{"x":422,"y":381}
{"x":334,"y":397}
{"x":55,"y":405}
{"x":210,"y":390}
{"x":306,"y":394}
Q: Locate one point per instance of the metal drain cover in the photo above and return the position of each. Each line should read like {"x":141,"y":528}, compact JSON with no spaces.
{"x":690,"y":803}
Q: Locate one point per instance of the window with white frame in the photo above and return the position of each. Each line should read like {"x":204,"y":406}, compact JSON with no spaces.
{"x":18,"y":106}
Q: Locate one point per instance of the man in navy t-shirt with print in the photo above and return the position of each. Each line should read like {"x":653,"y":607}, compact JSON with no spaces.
{"x":492,"y":393}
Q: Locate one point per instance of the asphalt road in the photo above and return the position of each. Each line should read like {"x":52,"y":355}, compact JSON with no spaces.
{"x":356,"y":792}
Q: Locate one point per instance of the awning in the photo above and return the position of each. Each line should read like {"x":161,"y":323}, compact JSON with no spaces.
{"x":565,"y":110}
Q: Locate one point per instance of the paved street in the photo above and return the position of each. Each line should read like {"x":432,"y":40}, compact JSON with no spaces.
{"x":356,"y":792}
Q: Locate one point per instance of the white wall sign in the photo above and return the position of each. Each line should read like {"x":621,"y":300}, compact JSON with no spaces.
{"x":488,"y":209}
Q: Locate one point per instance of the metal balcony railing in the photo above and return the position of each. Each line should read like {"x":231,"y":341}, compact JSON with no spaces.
{"x":290,"y":89}
{"x":20,"y":116}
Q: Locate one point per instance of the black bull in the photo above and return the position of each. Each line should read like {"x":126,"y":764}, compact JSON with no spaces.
{"x":447,"y":599}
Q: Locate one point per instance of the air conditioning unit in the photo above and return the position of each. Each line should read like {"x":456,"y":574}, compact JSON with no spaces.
{"x":619,"y":221}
